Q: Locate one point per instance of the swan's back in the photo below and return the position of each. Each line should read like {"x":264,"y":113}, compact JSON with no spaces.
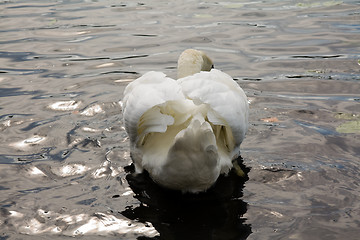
{"x":185,"y":132}
{"x":224,"y":96}
{"x":151,"y":89}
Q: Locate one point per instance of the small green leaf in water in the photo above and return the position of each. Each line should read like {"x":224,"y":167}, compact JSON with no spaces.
{"x":332,"y":3}
{"x":316,"y":71}
{"x":349,"y":127}
{"x":359,"y":61}
{"x":346,"y":116}
{"x":203,"y":16}
{"x":311,"y":4}
{"x":53,"y":21}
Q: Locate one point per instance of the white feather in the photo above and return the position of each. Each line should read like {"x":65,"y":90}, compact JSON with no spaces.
{"x":185,"y":132}
{"x":152,"y":89}
{"x":225,"y":97}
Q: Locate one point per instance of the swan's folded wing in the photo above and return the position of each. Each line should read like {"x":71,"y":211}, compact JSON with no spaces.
{"x":224,"y":96}
{"x":151,"y":89}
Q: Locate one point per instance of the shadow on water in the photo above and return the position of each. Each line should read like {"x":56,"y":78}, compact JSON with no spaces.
{"x":215,"y":214}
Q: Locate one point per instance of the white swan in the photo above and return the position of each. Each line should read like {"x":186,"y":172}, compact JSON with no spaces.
{"x":185,"y":132}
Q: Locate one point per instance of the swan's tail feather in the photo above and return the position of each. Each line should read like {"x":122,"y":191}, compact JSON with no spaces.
{"x":192,"y":161}
{"x":193,"y":145}
{"x":152,"y":121}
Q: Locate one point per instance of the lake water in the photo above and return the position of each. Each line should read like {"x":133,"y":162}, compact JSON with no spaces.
{"x":63,"y":149}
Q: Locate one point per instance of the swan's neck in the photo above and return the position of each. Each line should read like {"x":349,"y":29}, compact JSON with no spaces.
{"x":192,"y":61}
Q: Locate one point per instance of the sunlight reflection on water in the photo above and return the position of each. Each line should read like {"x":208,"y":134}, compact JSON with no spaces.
{"x":63,"y":146}
{"x":80,"y":224}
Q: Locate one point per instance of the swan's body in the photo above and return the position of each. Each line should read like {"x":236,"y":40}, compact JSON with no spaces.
{"x":185,"y":132}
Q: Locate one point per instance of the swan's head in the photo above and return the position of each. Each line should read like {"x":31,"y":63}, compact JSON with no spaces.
{"x":193,"y":61}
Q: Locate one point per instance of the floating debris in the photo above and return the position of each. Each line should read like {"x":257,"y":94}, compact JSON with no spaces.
{"x":271,"y":119}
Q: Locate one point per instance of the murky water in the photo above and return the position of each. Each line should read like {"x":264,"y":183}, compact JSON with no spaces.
{"x":64,"y":152}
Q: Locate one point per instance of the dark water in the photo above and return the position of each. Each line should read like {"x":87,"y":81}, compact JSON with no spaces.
{"x":64,"y":151}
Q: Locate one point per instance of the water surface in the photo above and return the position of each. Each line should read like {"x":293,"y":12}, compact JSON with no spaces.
{"x":64,"y":154}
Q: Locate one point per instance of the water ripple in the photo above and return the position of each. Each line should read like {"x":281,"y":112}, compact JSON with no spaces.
{"x":64,"y":149}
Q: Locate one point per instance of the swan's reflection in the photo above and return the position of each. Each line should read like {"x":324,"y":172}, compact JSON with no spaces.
{"x":216,"y":214}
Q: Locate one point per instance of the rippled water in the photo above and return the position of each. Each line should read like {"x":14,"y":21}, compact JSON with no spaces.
{"x":64,"y":153}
